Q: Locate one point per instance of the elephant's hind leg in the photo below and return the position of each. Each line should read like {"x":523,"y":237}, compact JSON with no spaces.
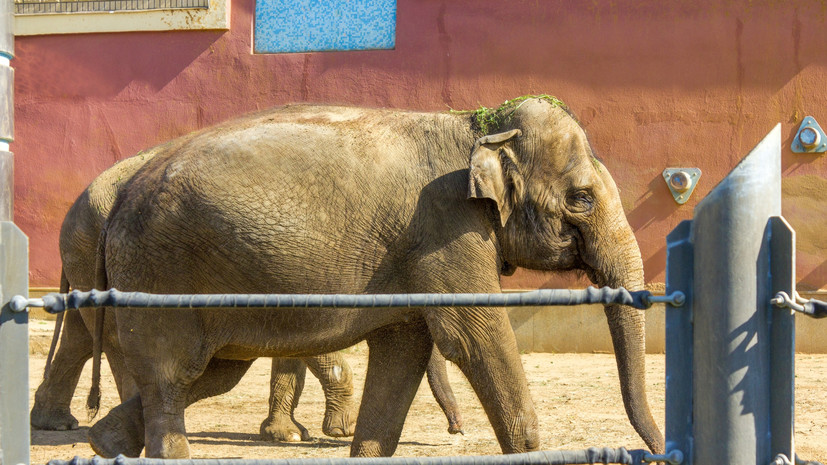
{"x":122,"y":430}
{"x":286,"y":385}
{"x":336,"y":379}
{"x":165,"y":401}
{"x":396,"y":362}
{"x":441,"y":389}
{"x":51,"y":410}
{"x":487,"y":354}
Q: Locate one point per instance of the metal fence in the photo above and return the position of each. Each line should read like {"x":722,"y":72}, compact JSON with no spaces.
{"x":87,"y":6}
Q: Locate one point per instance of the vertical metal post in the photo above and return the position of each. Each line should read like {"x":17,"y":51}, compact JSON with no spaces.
{"x":6,"y":110}
{"x":14,"y":347}
{"x":14,"y":274}
{"x":731,"y":311}
{"x":679,"y":339}
{"x":782,"y":341}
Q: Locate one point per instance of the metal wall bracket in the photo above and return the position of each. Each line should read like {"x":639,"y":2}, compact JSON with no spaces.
{"x":810,"y":138}
{"x":681,"y":182}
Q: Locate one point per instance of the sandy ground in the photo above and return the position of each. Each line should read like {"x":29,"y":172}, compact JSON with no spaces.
{"x":576,"y":395}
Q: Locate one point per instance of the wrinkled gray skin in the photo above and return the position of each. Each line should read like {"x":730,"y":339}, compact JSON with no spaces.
{"x":318,"y":199}
{"x":78,"y":244}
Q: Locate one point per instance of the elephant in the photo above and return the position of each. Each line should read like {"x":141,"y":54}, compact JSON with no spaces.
{"x":78,"y":244}
{"x":333,"y":199}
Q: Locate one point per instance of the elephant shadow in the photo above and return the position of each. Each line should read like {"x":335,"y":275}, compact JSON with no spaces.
{"x":235,"y":439}
{"x":225,"y":438}
{"x":59,"y":438}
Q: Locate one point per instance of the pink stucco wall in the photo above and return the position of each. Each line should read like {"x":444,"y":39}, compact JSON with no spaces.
{"x":656,"y":84}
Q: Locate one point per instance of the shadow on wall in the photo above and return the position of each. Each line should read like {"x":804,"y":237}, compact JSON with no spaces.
{"x":804,"y":207}
{"x":657,"y":205}
{"x":815,"y":280}
{"x":101,"y":69}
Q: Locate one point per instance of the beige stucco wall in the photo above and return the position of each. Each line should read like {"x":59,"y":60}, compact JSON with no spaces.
{"x":584,"y":329}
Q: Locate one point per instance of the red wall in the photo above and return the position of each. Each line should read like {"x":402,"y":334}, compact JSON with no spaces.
{"x":656,"y":85}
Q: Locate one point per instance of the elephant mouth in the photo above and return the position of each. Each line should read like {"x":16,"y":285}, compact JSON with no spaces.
{"x":595,"y":276}
{"x":507,"y":269}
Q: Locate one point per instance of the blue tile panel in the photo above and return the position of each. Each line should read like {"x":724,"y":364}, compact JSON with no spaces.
{"x":284,"y":26}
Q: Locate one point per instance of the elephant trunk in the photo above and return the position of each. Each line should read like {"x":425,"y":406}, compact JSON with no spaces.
{"x":621,"y":265}
{"x":626,"y":325}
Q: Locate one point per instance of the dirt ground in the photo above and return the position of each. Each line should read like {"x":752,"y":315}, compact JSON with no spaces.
{"x":576,"y":395}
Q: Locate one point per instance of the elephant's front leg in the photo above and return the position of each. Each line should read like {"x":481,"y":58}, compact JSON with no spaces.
{"x":396,"y":362}
{"x":336,"y":379}
{"x":482,"y":344}
{"x":286,"y":385}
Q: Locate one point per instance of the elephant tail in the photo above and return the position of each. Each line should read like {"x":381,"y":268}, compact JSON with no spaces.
{"x":64,"y":288}
{"x":101,"y":283}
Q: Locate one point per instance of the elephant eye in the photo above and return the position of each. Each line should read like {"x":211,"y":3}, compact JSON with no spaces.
{"x":580,"y":201}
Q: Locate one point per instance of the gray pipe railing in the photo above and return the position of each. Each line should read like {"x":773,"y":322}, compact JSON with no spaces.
{"x":56,"y":303}
{"x":556,"y":457}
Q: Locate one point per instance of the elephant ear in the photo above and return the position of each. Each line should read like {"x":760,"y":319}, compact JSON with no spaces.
{"x":494,"y":173}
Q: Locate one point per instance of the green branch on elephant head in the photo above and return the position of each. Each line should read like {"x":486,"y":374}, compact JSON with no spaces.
{"x":488,"y":119}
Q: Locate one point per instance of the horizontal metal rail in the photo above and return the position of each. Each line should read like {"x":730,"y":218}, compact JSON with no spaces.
{"x":585,"y":456}
{"x":56,"y":303}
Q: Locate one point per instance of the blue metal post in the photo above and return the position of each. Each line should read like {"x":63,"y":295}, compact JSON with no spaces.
{"x":782,"y":341}
{"x":679,"y":339}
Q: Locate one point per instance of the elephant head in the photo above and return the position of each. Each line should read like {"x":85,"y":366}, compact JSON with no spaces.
{"x":559,"y":209}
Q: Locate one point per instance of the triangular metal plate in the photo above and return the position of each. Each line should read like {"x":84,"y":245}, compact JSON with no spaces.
{"x":692,"y":174}
{"x":817,"y":141}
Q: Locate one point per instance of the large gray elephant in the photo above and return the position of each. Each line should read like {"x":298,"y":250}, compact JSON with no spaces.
{"x":323,"y":199}
{"x":78,"y":244}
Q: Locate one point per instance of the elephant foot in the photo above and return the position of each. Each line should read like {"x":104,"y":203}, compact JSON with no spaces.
{"x":455,"y":424}
{"x":282,"y":428}
{"x":119,"y":432}
{"x":339,"y":424}
{"x":52,"y":420}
